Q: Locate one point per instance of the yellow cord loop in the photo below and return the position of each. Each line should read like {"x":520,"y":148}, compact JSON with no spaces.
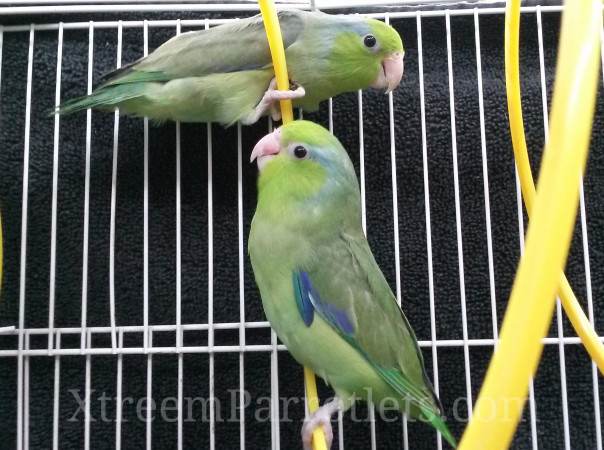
{"x":275,"y":42}
{"x":571,"y":306}
{"x":501,"y":401}
{"x":1,"y":255}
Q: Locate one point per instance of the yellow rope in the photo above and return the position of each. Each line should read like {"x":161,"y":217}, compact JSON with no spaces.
{"x":275,"y":42}
{"x":1,"y":254}
{"x":573,"y":310}
{"x":501,"y":401}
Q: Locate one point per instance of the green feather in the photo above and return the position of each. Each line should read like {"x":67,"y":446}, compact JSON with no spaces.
{"x":128,"y":75}
{"x":424,"y":398}
{"x":403,"y":387}
{"x":221,"y":74}
{"x":308,"y":219}
{"x":105,"y":98}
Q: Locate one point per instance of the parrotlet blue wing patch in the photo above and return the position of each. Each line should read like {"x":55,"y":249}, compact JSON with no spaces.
{"x":305,"y":308}
{"x":309,"y":301}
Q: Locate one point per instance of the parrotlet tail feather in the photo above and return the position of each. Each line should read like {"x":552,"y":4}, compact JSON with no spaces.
{"x":122,"y":84}
{"x":437,"y":422}
{"x":105,"y":97}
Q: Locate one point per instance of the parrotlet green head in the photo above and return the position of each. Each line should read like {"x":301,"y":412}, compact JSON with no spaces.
{"x":223,"y":74}
{"x":321,"y":288}
{"x":370,"y":53}
{"x":303,"y":159}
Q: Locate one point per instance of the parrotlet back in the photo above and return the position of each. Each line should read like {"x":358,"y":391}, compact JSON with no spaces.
{"x":224,"y":74}
{"x":321,"y":288}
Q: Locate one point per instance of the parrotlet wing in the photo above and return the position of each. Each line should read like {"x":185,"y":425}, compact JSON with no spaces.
{"x":344,"y":285}
{"x":233,"y":47}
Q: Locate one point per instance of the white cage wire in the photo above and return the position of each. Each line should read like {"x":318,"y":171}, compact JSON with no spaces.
{"x":116,"y":333}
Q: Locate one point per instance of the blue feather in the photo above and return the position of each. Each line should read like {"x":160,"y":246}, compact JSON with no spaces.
{"x":305,"y":307}
{"x":309,"y":300}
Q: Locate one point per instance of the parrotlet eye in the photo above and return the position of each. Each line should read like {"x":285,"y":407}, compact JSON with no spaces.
{"x":300,"y":152}
{"x":369,"y":41}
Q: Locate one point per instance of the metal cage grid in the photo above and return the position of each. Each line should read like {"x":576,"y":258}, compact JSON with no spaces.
{"x":56,"y":349}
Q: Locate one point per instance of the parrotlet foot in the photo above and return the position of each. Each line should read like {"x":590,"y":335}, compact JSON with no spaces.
{"x":270,"y":102}
{"x":321,"y":417}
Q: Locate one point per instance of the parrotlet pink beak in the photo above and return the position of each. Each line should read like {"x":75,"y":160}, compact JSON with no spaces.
{"x":267,"y":148}
{"x":391,"y":74}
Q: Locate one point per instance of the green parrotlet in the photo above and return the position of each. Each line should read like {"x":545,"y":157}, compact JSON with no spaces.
{"x":322,"y":290}
{"x":225,"y":74}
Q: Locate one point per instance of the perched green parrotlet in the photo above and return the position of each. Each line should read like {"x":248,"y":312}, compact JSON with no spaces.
{"x":322,"y":290}
{"x":225,"y":74}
